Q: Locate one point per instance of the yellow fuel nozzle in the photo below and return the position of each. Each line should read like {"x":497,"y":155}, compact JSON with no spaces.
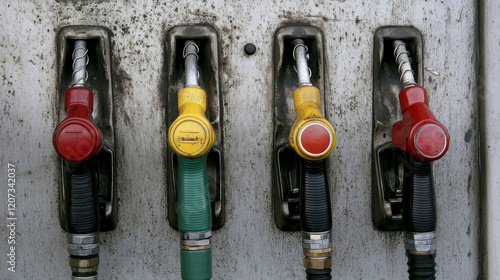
{"x":191,"y":135}
{"x":311,"y":136}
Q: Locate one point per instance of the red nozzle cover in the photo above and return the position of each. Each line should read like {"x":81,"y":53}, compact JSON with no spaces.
{"x":77,"y":137}
{"x":315,"y":139}
{"x":419,"y":133}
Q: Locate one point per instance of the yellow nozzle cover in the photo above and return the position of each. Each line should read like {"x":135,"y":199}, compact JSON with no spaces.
{"x":311,"y":136}
{"x":191,"y":135}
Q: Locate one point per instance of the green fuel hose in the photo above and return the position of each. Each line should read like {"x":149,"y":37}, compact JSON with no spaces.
{"x":195,"y":215}
{"x":196,"y":265}
{"x":194,"y":200}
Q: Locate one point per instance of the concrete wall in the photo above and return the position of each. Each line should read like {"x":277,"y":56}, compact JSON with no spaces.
{"x":249,"y":246}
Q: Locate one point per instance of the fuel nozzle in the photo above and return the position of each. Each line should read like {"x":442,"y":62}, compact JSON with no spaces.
{"x":191,"y":136}
{"x":419,"y":133}
{"x":77,"y":139}
{"x":311,"y":135}
{"x":424,"y":140}
{"x":313,"y":138}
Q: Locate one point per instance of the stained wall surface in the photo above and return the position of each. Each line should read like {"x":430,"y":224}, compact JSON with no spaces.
{"x":249,"y":246}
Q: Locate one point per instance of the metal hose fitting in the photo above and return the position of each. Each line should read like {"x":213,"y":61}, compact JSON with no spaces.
{"x":421,"y":243}
{"x":317,"y":248}
{"x":195,"y":241}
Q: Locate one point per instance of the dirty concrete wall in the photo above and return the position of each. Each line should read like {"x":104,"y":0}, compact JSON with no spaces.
{"x":249,"y":246}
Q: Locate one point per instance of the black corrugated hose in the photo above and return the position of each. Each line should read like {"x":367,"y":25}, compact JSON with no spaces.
{"x":82,"y":200}
{"x":318,"y":274}
{"x":82,"y":204}
{"x":419,"y":214}
{"x":315,"y":210}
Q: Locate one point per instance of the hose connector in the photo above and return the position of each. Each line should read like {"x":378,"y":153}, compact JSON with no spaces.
{"x":194,"y":241}
{"x":420,"y":243}
{"x":83,"y":255}
{"x":317,"y":247}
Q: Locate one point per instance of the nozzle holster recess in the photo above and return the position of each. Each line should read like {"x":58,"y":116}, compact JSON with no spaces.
{"x":419,"y":133}
{"x":311,"y":135}
{"x":77,"y":137}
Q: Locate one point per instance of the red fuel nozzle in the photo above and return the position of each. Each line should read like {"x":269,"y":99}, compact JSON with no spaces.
{"x":77,"y":137}
{"x":419,"y":133}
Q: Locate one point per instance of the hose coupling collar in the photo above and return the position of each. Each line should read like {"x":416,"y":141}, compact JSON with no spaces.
{"x":317,"y":248}
{"x":93,"y":277}
{"x":92,"y":238}
{"x":316,"y":240}
{"x":422,"y":243}
{"x":84,"y":266}
{"x":196,"y":235}
{"x":83,"y":245}
{"x":194,"y":241}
